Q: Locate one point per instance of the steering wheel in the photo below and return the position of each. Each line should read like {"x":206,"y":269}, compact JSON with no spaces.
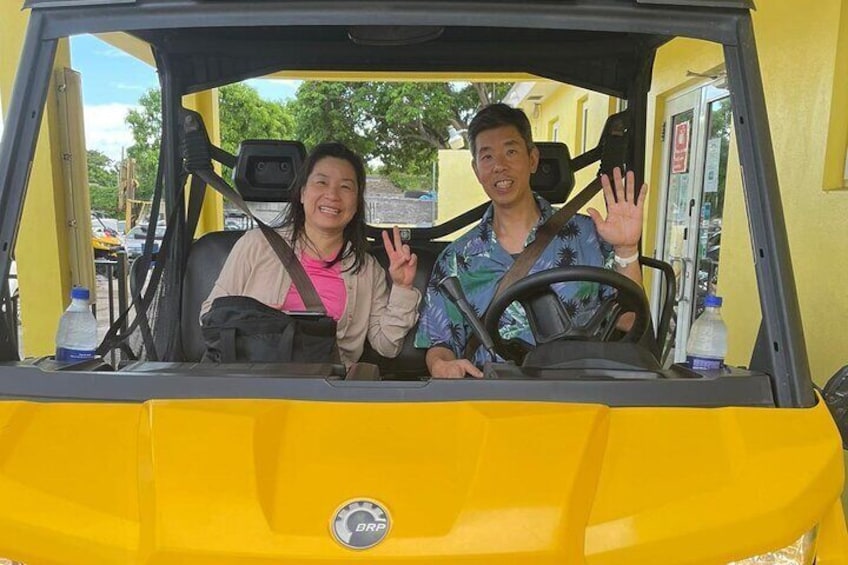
{"x":549,"y":319}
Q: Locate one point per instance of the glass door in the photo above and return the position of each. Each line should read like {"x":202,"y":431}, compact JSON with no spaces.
{"x":695,"y":146}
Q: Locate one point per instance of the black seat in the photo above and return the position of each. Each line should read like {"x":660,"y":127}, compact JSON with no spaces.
{"x":205,"y":262}
{"x":410,"y":362}
{"x":263,"y":171}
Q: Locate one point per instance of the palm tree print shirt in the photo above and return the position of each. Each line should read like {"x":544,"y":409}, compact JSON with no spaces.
{"x":479,"y":262}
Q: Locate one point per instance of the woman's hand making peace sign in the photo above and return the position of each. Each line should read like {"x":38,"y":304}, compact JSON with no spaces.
{"x":402,"y":261}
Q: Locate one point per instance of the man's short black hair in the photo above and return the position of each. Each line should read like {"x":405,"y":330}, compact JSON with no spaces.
{"x":499,"y":115}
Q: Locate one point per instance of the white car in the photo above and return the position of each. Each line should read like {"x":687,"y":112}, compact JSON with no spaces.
{"x":134,"y":241}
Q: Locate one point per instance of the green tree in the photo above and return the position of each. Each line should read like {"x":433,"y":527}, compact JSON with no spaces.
{"x":146,"y":125}
{"x":402,"y":124}
{"x":245,"y":115}
{"x":101,"y":169}
{"x":102,"y":182}
{"x":327,"y":111}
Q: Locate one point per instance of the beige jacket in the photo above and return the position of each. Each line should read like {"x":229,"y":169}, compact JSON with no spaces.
{"x":372,"y":311}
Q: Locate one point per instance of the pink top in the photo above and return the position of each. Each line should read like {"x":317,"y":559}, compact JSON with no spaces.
{"x":328,"y":284}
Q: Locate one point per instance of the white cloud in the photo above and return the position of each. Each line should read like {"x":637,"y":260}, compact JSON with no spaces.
{"x":125,"y":86}
{"x":112,"y":52}
{"x":274,"y":89}
{"x":290,"y":82}
{"x":105,"y":129}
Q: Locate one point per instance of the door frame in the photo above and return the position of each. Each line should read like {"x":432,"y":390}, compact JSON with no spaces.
{"x":698,"y":98}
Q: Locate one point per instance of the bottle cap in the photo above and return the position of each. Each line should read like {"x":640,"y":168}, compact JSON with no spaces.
{"x":79,"y":292}
{"x":712,"y":300}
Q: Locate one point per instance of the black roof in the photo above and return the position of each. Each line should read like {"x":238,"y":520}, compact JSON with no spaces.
{"x":597,"y":44}
{"x":744,"y":4}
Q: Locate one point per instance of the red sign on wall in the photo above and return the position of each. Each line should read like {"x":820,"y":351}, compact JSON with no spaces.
{"x":680,"y":148}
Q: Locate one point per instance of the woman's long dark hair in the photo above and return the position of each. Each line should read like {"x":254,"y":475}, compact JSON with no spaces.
{"x":354,"y":231}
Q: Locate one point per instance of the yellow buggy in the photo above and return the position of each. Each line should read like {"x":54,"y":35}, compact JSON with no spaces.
{"x":598,"y":452}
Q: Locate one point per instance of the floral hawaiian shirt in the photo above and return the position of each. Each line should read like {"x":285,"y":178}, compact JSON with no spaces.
{"x":479,"y":262}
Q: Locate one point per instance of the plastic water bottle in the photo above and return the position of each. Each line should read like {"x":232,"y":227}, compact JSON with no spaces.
{"x":76,"y":338}
{"x":707,"y":344}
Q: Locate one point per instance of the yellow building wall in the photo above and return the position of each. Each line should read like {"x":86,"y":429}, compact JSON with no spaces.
{"x":798,"y":68}
{"x":564,"y":106}
{"x":798,"y":58}
{"x":836,"y":156}
{"x":458,"y":189}
{"x":798,"y":75}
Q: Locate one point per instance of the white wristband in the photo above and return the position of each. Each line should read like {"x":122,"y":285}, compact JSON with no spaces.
{"x":624,"y":261}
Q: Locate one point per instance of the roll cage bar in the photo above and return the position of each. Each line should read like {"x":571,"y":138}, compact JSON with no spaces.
{"x":620,"y":64}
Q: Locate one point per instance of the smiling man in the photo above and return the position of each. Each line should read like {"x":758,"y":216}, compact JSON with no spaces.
{"x":503,"y":158}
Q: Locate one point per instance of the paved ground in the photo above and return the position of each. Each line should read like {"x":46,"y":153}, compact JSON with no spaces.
{"x":103,"y":318}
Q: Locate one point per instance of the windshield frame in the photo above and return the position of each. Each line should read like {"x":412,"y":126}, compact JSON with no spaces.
{"x":780,"y":350}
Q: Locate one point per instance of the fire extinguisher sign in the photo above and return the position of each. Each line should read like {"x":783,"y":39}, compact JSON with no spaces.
{"x":680,"y":146}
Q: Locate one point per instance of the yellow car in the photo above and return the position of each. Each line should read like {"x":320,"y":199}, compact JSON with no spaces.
{"x":105,"y":244}
{"x":603,"y":452}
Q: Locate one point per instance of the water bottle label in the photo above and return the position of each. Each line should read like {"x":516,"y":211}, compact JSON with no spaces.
{"x":704,"y":363}
{"x":68,"y":354}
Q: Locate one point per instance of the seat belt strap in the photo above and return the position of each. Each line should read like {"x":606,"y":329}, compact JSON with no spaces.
{"x":282,"y":249}
{"x":530,"y":254}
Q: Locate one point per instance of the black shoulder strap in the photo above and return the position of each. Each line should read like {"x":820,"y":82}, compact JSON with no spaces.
{"x":283,"y":250}
{"x":197,"y":160}
{"x":528,"y":256}
{"x":544,"y":235}
{"x":614,"y":151}
{"x":299,"y":277}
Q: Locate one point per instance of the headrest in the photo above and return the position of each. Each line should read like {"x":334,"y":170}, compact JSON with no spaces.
{"x":265,"y":169}
{"x":615,"y":143}
{"x":554,"y":177}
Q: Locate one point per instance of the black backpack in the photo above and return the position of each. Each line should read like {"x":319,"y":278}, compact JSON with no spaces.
{"x":242,"y":329}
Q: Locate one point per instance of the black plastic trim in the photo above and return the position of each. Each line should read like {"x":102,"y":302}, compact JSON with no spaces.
{"x":23,"y":121}
{"x":785,"y":357}
{"x":701,"y":22}
{"x":32,"y":383}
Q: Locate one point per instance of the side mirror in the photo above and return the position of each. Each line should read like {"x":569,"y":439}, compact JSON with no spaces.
{"x":835,"y":395}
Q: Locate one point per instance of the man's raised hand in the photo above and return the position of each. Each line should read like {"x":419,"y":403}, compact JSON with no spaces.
{"x":622,"y":227}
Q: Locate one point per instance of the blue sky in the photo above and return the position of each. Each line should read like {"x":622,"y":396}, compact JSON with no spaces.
{"x":113,"y":81}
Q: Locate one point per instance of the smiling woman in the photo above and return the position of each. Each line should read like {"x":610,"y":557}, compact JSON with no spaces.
{"x":325,"y":225}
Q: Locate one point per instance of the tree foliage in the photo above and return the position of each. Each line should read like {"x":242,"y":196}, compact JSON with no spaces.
{"x":402,"y":124}
{"x":102,"y":182}
{"x":101,"y":169}
{"x":245,"y":115}
{"x":146,"y":125}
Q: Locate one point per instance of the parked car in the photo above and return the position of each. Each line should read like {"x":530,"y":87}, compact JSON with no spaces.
{"x":106,"y":243}
{"x":134,"y":242}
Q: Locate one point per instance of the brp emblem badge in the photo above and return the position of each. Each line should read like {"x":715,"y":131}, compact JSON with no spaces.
{"x":360,"y":524}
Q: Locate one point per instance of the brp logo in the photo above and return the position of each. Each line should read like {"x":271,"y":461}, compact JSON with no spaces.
{"x":360,"y":524}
